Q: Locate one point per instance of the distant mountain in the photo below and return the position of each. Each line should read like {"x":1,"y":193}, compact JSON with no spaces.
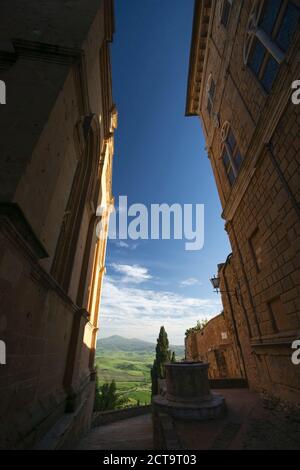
{"x":118,"y":343}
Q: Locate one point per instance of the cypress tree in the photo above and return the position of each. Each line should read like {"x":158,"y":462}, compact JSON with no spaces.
{"x":162,"y":352}
{"x":163,"y":355}
{"x":154,"y":377}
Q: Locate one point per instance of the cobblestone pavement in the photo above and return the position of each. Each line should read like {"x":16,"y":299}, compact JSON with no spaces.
{"x":277,"y":428}
{"x":251,"y":423}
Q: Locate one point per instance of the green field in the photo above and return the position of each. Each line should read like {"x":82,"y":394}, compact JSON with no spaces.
{"x":131,"y":371}
{"x":128,"y":361}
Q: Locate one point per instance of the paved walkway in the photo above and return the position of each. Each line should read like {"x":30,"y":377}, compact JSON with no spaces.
{"x":250,"y":423}
{"x":128,"y":434}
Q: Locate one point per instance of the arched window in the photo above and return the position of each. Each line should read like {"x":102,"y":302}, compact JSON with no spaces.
{"x":210,"y":90}
{"x":231,"y":155}
{"x":270,"y":30}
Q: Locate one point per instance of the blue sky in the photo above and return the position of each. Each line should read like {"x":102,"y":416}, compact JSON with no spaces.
{"x":159,"y":158}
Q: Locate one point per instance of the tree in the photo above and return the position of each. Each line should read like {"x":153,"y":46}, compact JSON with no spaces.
{"x":162,"y":352}
{"x":154,"y":377}
{"x":107,"y":398}
{"x":163,"y":355}
{"x":200,"y":325}
{"x":97,"y":401}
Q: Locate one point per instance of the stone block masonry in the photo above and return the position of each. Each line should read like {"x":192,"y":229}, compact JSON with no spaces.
{"x":57,"y":145}
{"x":252,"y":127}
{"x":214,"y":344}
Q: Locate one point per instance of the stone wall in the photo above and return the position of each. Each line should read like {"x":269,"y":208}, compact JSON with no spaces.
{"x":214,"y":344}
{"x":56,"y":159}
{"x":260,"y":280}
{"x":101,"y":418}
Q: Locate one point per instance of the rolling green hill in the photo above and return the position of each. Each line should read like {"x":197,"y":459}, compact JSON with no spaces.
{"x":128,"y":362}
{"x":121,"y":344}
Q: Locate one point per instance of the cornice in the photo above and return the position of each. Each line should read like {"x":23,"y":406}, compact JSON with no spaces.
{"x":281,"y":339}
{"x":197,"y":55}
{"x":109,"y":19}
{"x":50,"y":53}
{"x":46,"y":52}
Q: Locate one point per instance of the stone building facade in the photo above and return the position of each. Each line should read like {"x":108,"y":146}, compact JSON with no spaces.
{"x":57,"y":144}
{"x":214,"y":344}
{"x":244,"y":59}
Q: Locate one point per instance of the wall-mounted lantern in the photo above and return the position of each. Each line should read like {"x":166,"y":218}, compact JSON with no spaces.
{"x":215,"y":281}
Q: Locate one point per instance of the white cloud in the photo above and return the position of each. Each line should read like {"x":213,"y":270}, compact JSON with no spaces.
{"x":191,"y":281}
{"x":122,"y":244}
{"x":132,"y":273}
{"x":131,"y":311}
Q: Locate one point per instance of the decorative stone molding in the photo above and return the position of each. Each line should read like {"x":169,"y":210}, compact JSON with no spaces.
{"x":225,"y":131}
{"x":89,"y":140}
{"x":197,"y":55}
{"x":46,"y":52}
{"x":256,"y":150}
{"x":114,"y":119}
{"x":13,"y":213}
{"x":216,"y":120}
{"x":252,"y":25}
{"x":221,"y":7}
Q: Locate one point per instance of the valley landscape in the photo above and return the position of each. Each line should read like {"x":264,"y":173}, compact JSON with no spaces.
{"x":129,"y":362}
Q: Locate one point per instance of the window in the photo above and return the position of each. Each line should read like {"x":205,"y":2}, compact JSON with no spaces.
{"x":210,"y":87}
{"x":256,"y":249}
{"x":231,"y":155}
{"x":271,"y":28}
{"x":280,"y":320}
{"x":225,"y":12}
